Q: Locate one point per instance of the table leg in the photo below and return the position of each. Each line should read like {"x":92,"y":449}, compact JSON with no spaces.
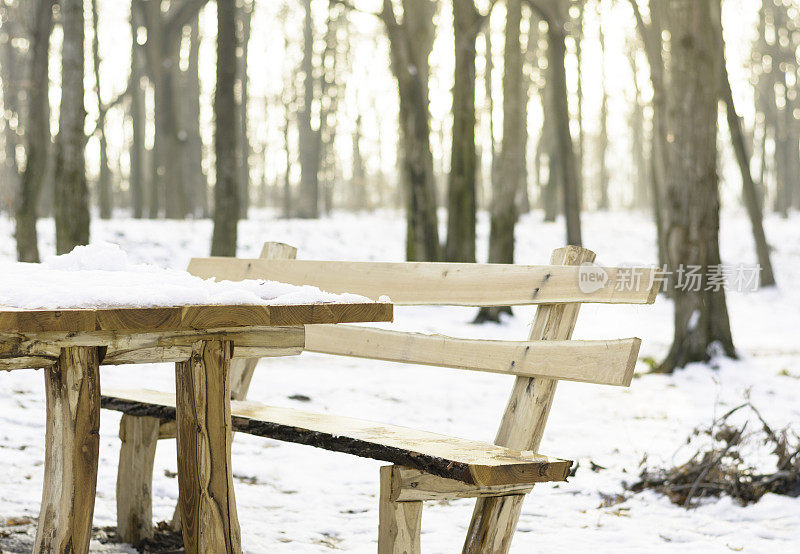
{"x":203,"y":412}
{"x":72,"y":387}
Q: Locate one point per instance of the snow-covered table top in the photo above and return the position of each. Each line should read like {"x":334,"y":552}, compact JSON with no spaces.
{"x":96,"y":287}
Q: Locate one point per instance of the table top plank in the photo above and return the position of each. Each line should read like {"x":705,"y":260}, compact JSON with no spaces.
{"x":173,"y":318}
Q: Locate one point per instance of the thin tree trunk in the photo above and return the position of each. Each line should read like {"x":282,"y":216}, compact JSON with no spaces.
{"x":410,"y":45}
{"x":246,"y":16}
{"x":197,"y":182}
{"x":226,"y":190}
{"x":701,"y":315}
{"x":37,"y":127}
{"x":138,"y":119}
{"x":749,"y":193}
{"x":308,"y":137}
{"x":512,"y":154}
{"x":461,"y":200}
{"x":72,"y":196}
{"x":566,"y":156}
{"x":602,"y":146}
{"x":104,"y":180}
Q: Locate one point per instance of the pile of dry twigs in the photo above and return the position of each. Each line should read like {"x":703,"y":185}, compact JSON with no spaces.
{"x":727,"y":463}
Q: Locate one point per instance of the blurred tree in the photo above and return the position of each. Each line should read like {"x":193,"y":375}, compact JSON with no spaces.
{"x":37,"y":136}
{"x":309,"y":138}
{"x":226,"y":190}
{"x":692,"y":189}
{"x":749,"y":193}
{"x":197,"y":182}
{"x":602,"y":139}
{"x":411,"y":41}
{"x":13,"y":63}
{"x":105,"y":198}
{"x":512,"y":154}
{"x":71,"y":194}
{"x":138,"y":118}
{"x":245,"y":13}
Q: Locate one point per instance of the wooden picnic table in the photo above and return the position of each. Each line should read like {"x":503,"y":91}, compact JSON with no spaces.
{"x":71,"y":344}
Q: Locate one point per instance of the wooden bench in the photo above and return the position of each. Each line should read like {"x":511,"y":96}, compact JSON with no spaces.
{"x":426,"y":466}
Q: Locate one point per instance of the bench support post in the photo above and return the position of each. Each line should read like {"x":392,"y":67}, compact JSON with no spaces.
{"x":72,"y":387}
{"x":203,"y":413}
{"x":399,"y":522}
{"x":139,"y":436}
{"x":495,"y":519}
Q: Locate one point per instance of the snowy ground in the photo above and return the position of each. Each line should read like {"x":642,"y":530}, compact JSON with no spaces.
{"x":298,"y":499}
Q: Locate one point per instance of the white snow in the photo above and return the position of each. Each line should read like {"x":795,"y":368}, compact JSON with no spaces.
{"x":101,"y":275}
{"x":305,"y":500}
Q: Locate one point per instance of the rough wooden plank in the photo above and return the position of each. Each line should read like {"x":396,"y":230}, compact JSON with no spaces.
{"x":608,"y":362}
{"x":72,"y":387}
{"x":399,"y":523}
{"x":444,"y":283}
{"x":139,"y":436}
{"x":188,"y":317}
{"x":413,"y":485}
{"x":495,"y":519}
{"x":203,"y":414}
{"x":469,"y":461}
{"x":25,"y":350}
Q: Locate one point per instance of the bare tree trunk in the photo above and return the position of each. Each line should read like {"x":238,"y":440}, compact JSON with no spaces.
{"x":749,"y":194}
{"x":641,"y":191}
{"x":701,"y":314}
{"x":72,"y":196}
{"x":104,"y":180}
{"x":566,"y":156}
{"x":358,"y":184}
{"x":287,"y":184}
{"x":13,"y":62}
{"x":37,"y":133}
{"x":138,"y":119}
{"x":461,"y":201}
{"x":602,"y":146}
{"x":197,"y":182}
{"x":226,"y":190}
{"x":309,"y":138}
{"x":512,"y":154}
{"x":410,"y":45}
{"x":246,"y":16}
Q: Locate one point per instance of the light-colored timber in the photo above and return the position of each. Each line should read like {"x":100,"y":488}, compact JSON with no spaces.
{"x":139,"y":436}
{"x":209,"y":522}
{"x":177,"y":318}
{"x":472,"y":462}
{"x":399,"y":523}
{"x":413,"y":485}
{"x":606,"y":362}
{"x":494,"y":519}
{"x":72,"y":387}
{"x":26,"y":350}
{"x":425,"y":283}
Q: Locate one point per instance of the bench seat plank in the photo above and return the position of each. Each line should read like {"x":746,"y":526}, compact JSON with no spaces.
{"x":472,"y":462}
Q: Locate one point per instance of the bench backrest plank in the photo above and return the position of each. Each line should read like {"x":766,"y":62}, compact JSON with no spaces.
{"x":457,"y":284}
{"x":605,"y":362}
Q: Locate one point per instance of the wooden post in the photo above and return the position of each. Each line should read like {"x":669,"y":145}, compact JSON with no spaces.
{"x":242,"y":369}
{"x":137,"y":453}
{"x":203,"y":414}
{"x":72,"y":387}
{"x":495,"y":519}
{"x":399,"y":523}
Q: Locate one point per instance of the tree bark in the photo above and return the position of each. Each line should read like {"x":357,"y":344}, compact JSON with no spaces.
{"x":461,"y":201}
{"x":138,"y":119}
{"x":197,"y":182}
{"x":72,"y":195}
{"x":512,"y":154}
{"x":226,"y":190}
{"x":749,"y":193}
{"x":246,"y":16}
{"x":701,"y":315}
{"x":309,"y":138}
{"x":411,"y":42}
{"x":104,"y":179}
{"x":37,"y":127}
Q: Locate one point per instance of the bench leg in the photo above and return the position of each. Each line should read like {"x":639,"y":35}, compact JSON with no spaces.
{"x":203,"y":412}
{"x":493,"y":534}
{"x":139,"y":436}
{"x":399,"y":522}
{"x":72,"y":387}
